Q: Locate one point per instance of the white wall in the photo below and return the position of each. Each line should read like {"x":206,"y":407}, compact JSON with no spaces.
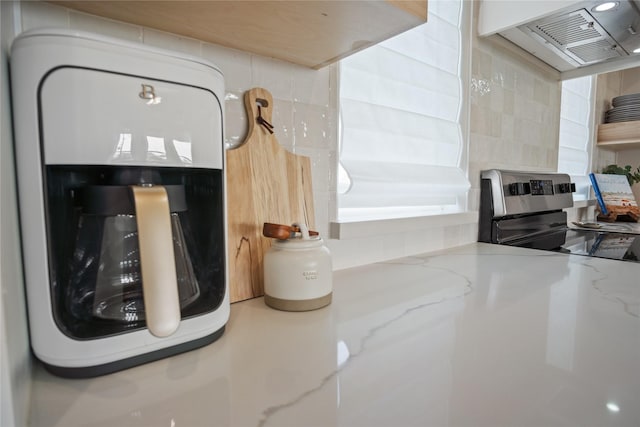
{"x":15,"y":363}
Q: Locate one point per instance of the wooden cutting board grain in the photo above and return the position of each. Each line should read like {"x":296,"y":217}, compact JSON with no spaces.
{"x":265,"y":183}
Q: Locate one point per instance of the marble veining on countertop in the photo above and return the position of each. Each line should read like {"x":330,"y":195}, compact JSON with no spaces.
{"x":480,"y":335}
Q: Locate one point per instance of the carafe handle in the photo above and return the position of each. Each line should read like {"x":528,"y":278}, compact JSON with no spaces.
{"x":157,"y":261}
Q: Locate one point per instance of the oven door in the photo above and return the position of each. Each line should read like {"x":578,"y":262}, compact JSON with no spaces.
{"x":542,"y":231}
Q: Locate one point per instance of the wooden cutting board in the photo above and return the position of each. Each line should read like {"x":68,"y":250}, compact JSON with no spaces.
{"x":265,"y":183}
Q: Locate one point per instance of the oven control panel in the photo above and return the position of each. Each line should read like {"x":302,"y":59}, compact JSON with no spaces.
{"x":539,"y":187}
{"x":515,"y":193}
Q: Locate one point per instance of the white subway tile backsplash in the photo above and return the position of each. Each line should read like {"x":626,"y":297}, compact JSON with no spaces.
{"x":322,"y":202}
{"x":107,"y":27}
{"x":354,"y":252}
{"x":41,"y":15}
{"x":483,"y":61}
{"x":282,"y":120}
{"x":541,"y":92}
{"x":486,"y":148}
{"x":531,"y":155}
{"x":552,"y":156}
{"x":234,"y":64}
{"x":311,"y":86}
{"x":497,"y":99}
{"x":485,"y":93}
{"x":274,"y":75}
{"x":430,"y":239}
{"x":524,"y":85}
{"x":166,"y":40}
{"x":392,"y":246}
{"x":313,"y":126}
{"x":319,"y":168}
{"x":332,"y":174}
{"x":508,"y":127}
{"x":518,"y":127}
{"x":508,"y":76}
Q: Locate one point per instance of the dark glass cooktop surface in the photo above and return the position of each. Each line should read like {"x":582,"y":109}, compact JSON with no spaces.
{"x":618,"y":246}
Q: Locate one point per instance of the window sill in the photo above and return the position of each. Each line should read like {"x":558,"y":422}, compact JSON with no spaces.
{"x":584,"y":203}
{"x":342,"y":230}
{"x":355,"y":229}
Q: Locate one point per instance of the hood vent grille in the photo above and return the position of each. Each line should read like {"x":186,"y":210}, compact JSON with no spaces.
{"x":577,"y":35}
{"x":595,"y":52}
{"x":567,"y":30}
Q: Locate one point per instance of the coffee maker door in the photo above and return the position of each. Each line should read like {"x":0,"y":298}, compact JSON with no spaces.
{"x":94,"y":117}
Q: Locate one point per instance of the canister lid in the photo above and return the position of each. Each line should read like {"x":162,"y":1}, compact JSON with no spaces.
{"x":298,"y":244}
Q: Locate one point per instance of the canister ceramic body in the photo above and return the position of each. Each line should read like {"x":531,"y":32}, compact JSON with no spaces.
{"x":298,"y":275}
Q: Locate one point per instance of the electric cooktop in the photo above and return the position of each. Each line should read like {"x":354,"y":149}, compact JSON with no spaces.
{"x":527,"y":209}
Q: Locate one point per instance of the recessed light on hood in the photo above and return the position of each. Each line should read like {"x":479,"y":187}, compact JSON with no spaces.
{"x":603,"y":7}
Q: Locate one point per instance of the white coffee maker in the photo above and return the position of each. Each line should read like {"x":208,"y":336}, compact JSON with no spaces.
{"x":120,"y":163}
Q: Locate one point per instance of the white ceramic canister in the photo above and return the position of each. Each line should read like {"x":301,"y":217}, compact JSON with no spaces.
{"x":298,"y":273}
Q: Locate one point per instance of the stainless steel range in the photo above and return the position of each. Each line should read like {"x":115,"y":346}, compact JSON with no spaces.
{"x":525,"y":209}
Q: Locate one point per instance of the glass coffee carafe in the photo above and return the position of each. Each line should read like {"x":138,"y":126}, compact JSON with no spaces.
{"x":103,"y":281}
{"x":131,"y":263}
{"x":118,"y":293}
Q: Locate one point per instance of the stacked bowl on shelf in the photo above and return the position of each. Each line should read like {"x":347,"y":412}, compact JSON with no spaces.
{"x":626,"y":108}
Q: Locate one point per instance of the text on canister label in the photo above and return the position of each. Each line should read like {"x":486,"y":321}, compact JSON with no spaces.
{"x":310,"y":274}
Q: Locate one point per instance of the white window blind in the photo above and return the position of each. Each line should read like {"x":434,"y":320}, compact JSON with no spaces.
{"x":574,"y":154}
{"x":400,"y":106}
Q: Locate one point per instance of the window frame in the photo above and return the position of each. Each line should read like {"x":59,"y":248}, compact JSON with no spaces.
{"x":390,"y":214}
{"x":341,"y":228}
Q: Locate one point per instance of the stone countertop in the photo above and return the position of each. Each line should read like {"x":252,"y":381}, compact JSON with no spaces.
{"x":480,"y":335}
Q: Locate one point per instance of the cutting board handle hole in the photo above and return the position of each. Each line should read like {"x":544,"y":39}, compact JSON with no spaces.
{"x":262,"y":102}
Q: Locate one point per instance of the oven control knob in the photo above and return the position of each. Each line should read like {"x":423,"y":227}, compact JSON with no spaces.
{"x":519,"y":188}
{"x":566,"y":187}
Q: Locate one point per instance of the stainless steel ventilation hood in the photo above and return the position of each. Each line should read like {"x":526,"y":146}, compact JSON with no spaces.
{"x":571,"y":36}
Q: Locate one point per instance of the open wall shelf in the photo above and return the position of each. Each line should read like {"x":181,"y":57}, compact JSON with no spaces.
{"x":619,"y":136}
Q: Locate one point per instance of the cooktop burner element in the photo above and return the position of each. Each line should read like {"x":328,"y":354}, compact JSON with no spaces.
{"x":525,"y":209}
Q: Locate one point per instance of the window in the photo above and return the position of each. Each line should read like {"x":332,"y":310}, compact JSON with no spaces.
{"x":576,"y":118}
{"x":401,"y":143}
